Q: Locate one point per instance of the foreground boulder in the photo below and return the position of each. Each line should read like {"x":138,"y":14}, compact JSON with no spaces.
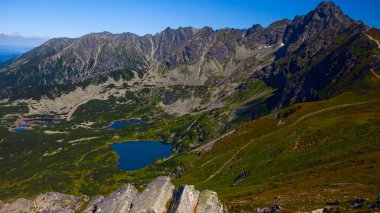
{"x":118,"y":201}
{"x":57,"y":202}
{"x":158,"y":197}
{"x":20,"y":205}
{"x":155,"y":197}
{"x":185,"y":200}
{"x":92,"y":206}
{"x":48,"y":202}
{"x":208,"y":202}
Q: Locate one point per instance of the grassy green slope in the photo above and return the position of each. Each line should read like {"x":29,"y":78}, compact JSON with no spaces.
{"x":325,"y":150}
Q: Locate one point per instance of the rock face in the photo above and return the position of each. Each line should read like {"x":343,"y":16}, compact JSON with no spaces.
{"x":48,"y":202}
{"x":118,"y":201}
{"x":20,"y":205}
{"x":208,"y":202}
{"x":185,"y":200}
{"x":92,"y":205}
{"x":56,"y":202}
{"x":155,"y":197}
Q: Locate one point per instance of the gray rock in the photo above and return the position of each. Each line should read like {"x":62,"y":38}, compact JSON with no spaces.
{"x":21,"y":205}
{"x":57,"y":202}
{"x":92,"y":205}
{"x":155,"y":197}
{"x":318,"y":210}
{"x":118,"y":201}
{"x":185,"y":200}
{"x":208,"y":202}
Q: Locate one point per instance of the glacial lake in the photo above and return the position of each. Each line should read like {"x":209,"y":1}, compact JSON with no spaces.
{"x":137,"y":155}
{"x":118,"y":124}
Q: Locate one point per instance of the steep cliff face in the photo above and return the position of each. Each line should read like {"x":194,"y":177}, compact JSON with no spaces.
{"x":159,"y":196}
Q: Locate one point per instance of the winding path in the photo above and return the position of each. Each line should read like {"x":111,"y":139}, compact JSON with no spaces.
{"x":378,"y":45}
{"x":374,"y":73}
{"x":227,"y":162}
{"x":210,"y":144}
{"x":329,"y":109}
{"x":373,"y":39}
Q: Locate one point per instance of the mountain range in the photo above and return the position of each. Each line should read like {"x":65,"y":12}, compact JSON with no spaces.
{"x":313,"y":45}
{"x":266,"y":116}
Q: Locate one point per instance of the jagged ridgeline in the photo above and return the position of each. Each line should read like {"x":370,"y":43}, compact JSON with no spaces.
{"x":263,"y":116}
{"x":187,"y":56}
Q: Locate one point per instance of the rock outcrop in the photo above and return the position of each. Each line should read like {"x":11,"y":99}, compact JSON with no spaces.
{"x":185,"y":199}
{"x":158,"y":197}
{"x":57,"y":202}
{"x":155,"y":197}
{"x":208,"y":202}
{"x":118,"y":201}
{"x":20,"y":205}
{"x":92,"y":206}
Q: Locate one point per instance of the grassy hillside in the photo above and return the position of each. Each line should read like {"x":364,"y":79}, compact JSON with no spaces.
{"x":304,"y":156}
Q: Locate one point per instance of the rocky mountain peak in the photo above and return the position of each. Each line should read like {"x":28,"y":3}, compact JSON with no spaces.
{"x":328,"y":14}
{"x":254,"y":29}
{"x":328,"y":8}
{"x":310,"y":33}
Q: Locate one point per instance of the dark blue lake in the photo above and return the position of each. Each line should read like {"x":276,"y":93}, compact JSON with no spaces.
{"x":137,"y":155}
{"x":118,"y":124}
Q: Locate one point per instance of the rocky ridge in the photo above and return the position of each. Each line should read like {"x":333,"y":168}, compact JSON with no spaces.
{"x":305,"y":59}
{"x":186,"y":55}
{"x":159,"y":196}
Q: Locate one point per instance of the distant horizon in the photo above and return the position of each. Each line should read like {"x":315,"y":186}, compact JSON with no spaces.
{"x":75,"y":18}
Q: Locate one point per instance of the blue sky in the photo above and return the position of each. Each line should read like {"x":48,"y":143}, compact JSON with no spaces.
{"x":73,"y":18}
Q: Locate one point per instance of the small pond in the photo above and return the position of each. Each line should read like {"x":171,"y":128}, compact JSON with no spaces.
{"x":118,"y":124}
{"x":22,"y":128}
{"x":26,"y":124}
{"x":137,"y":155}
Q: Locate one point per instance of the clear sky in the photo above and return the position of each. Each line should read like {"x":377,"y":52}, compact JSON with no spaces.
{"x":73,"y":18}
